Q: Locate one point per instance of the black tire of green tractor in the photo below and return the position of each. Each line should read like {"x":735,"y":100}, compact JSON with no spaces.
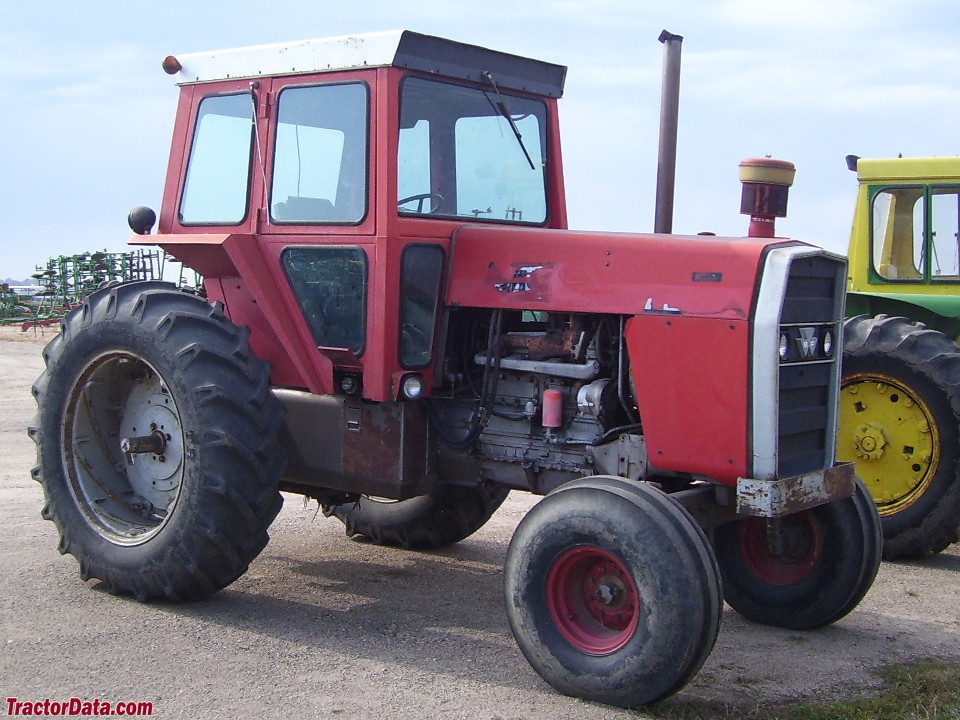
{"x":442,"y":517}
{"x":927,"y":363}
{"x":831,"y":558}
{"x":612,"y":591}
{"x":145,"y":362}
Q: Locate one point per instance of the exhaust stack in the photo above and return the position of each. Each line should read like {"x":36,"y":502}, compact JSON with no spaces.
{"x":669,"y":114}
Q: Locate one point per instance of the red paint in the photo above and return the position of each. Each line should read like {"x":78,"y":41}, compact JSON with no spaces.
{"x":696,"y":275}
{"x":692,"y":393}
{"x":762,"y":227}
{"x":592,"y":600}
{"x":552,"y":408}
{"x":802,"y":549}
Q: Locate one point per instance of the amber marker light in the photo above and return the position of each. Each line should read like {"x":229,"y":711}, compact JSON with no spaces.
{"x":171,"y":66}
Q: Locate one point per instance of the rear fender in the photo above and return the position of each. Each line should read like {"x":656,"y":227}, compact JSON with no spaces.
{"x":237,"y":274}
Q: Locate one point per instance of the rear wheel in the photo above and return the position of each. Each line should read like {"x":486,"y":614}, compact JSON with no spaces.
{"x":612,"y":591}
{"x":444,"y":516}
{"x":816,"y":570}
{"x":900,"y":423}
{"x":156,"y":439}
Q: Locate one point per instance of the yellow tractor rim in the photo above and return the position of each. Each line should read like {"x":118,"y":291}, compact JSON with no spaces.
{"x":890,"y":433}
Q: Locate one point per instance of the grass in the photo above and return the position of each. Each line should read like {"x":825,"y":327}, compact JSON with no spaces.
{"x":924,"y":690}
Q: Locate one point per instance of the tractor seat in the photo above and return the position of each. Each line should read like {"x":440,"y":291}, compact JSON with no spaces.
{"x":304,"y":209}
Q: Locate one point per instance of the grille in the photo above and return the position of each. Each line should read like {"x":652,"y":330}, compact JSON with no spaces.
{"x":810,"y":351}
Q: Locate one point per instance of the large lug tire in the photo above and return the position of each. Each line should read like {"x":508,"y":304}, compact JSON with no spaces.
{"x":444,"y":516}
{"x":900,"y":423}
{"x":612,"y":591}
{"x":826,"y":563}
{"x":157,"y":443}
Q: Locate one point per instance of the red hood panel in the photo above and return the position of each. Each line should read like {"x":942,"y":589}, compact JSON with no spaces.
{"x":565,"y":270}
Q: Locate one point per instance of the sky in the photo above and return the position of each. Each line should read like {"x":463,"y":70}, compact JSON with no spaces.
{"x":88,"y":112}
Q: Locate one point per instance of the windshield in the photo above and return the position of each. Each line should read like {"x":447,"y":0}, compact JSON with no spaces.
{"x":471,"y":153}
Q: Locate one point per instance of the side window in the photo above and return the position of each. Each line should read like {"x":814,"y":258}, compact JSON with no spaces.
{"x":420,"y":273}
{"x":216,"y":185}
{"x":320,"y":155}
{"x":945,"y":233}
{"x":330,"y":284}
{"x":896,"y":233}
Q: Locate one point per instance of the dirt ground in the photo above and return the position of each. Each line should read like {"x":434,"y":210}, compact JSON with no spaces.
{"x":323,"y":626}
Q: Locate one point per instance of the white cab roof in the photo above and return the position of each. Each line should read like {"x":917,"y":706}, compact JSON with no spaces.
{"x":398,"y":48}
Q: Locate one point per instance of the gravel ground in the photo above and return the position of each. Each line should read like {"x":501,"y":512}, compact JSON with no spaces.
{"x":323,"y":626}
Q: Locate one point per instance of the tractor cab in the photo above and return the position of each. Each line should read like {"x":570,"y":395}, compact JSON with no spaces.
{"x":905,"y":256}
{"x":339,"y":170}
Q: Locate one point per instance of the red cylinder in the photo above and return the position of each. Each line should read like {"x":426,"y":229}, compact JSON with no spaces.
{"x":552,"y":408}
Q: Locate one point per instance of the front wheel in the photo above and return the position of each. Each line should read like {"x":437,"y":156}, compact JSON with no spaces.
{"x":814,"y":572}
{"x":612,"y":591}
{"x":157,"y":442}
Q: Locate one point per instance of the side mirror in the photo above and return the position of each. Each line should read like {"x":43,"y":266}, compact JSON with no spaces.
{"x":141,"y":220}
{"x":852,"y":162}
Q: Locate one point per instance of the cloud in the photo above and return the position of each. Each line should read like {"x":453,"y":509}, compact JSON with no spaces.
{"x":796,"y":16}
{"x":810,"y":78}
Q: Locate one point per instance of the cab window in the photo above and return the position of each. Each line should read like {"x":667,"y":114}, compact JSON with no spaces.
{"x":915,"y":234}
{"x":945,"y":233}
{"x":215,"y":188}
{"x":320,"y":155}
{"x":896,"y":232}
{"x":330,"y":284}
{"x":471,"y":152}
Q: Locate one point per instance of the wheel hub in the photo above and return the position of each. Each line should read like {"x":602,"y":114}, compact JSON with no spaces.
{"x":869,"y":442}
{"x":887,"y":429}
{"x":153,"y":457}
{"x":123,"y":448}
{"x":593,"y":600}
{"x":607,"y":597}
{"x":787,"y":558}
{"x":610,"y":593}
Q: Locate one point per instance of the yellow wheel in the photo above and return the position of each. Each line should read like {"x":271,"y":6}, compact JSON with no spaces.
{"x":892,"y":436}
{"x":900,"y":423}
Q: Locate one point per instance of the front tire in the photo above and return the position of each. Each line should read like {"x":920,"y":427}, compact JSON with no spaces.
{"x":156,"y":442}
{"x":829,"y":559}
{"x":900,"y":423}
{"x":612,"y":591}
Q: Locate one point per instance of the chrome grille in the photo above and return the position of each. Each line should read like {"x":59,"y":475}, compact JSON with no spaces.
{"x":810,"y":348}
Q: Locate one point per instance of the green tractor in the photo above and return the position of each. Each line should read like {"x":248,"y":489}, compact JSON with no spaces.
{"x":900,"y":398}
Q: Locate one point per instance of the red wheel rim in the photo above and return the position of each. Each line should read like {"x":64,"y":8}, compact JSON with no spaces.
{"x":802,"y":546}
{"x":592,"y":599}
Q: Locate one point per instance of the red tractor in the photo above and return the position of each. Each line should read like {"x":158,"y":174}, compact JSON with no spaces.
{"x":395,"y":321}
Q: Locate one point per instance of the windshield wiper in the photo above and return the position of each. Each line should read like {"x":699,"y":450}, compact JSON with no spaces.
{"x":501,"y":107}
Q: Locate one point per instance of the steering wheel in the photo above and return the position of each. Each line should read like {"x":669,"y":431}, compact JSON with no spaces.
{"x":436,"y":198}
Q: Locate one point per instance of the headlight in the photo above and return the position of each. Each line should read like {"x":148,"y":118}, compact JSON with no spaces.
{"x":827,"y":343}
{"x":412,"y":386}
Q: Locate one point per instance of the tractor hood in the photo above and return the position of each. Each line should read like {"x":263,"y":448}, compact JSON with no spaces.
{"x":562,"y":270}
